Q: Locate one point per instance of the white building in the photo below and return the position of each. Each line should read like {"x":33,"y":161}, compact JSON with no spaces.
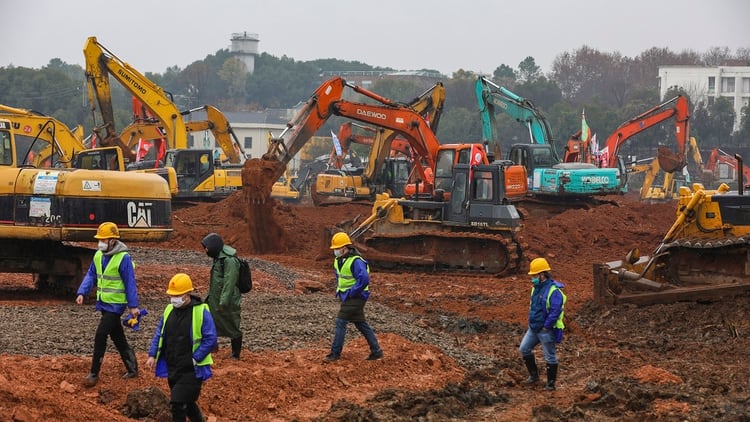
{"x":705,"y":84}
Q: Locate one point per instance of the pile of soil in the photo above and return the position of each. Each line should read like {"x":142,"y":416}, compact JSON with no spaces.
{"x":450,"y":342}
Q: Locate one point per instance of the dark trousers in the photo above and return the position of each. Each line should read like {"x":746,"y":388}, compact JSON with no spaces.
{"x":185,"y":389}
{"x":109,"y":326}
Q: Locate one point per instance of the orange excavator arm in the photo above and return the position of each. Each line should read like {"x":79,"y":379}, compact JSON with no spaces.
{"x":412,"y":126}
{"x":327,"y":101}
{"x":676,"y":108}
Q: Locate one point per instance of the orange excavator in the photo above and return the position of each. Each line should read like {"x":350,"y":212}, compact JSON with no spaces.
{"x":578,"y":150}
{"x":469,"y":227}
{"x":723,"y":168}
{"x":676,"y":108}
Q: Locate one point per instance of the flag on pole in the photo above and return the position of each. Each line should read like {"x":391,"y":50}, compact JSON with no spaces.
{"x":337,"y":144}
{"x":595,"y":149}
{"x":604,"y":157}
{"x":594,"y":145}
{"x":585,"y":130}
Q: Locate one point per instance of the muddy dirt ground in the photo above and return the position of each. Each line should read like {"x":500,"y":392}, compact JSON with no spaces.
{"x":450,"y":342}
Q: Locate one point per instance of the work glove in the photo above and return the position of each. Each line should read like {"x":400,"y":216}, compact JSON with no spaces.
{"x":134,"y":322}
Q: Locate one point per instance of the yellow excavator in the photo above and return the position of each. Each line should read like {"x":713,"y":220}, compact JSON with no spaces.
{"x":44,"y":209}
{"x":703,"y":256}
{"x":200,"y":175}
{"x":669,"y":190}
{"x":63,"y":147}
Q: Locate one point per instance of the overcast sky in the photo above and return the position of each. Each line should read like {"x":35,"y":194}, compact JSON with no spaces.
{"x":447,"y":35}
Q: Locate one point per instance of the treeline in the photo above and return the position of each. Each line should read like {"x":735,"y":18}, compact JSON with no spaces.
{"x":611,"y":88}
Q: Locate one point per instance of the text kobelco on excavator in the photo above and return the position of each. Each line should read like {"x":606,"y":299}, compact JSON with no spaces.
{"x":373,"y":114}
{"x":595,"y":179}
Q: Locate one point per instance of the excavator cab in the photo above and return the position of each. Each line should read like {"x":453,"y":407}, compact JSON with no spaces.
{"x":198,"y":178}
{"x":107,"y":158}
{"x":6,"y":153}
{"x":478,"y":197}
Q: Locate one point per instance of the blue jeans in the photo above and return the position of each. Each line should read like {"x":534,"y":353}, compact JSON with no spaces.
{"x":547,"y":338}
{"x":340,"y":335}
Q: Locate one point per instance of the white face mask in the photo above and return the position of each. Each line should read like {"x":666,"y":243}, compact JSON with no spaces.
{"x":177,"y":301}
{"x":102,"y":246}
{"x":338,"y":252}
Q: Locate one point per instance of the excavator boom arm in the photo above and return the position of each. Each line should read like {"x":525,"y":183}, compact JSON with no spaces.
{"x":59,"y":139}
{"x":493,"y":98}
{"x":679,"y":110}
{"x":101,"y":63}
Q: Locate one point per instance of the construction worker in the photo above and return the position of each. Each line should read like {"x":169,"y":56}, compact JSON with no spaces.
{"x":224,"y":297}
{"x":546,"y":311}
{"x":113,"y":273}
{"x":181,"y":348}
{"x":353,"y":289}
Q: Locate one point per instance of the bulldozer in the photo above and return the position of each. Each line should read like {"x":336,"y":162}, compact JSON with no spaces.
{"x":703,"y":256}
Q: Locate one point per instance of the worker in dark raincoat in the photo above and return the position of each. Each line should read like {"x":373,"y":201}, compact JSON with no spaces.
{"x":224,"y":297}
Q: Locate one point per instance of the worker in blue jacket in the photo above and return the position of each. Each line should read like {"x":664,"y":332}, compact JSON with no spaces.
{"x":112,"y":272}
{"x":546,"y":312}
{"x":181,"y":348}
{"x":353,"y":289}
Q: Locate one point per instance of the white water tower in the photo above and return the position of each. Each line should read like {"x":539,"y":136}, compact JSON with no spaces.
{"x":245,"y":47}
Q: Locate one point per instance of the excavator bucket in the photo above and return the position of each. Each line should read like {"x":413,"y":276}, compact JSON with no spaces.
{"x":669,"y":161}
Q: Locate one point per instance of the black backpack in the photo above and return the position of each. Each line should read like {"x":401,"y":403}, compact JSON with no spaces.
{"x":245,"y":279}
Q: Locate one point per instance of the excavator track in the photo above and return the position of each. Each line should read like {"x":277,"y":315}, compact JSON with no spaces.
{"x":690,"y":262}
{"x":457,"y":252}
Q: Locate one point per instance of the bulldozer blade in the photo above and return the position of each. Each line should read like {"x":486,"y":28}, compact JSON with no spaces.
{"x":669,"y":161}
{"x":696,"y":294}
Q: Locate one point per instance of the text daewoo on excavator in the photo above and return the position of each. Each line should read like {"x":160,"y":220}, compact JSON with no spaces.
{"x":468,"y":228}
{"x":382,"y":174}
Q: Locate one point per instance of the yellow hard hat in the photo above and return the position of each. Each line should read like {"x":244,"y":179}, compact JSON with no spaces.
{"x":339,"y":240}
{"x":107,"y":231}
{"x":180,"y":284}
{"x":539,"y":265}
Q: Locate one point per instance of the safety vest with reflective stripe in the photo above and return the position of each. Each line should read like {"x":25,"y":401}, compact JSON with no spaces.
{"x":109,"y":285}
{"x":559,"y":323}
{"x":346,"y":279}
{"x":196,"y":335}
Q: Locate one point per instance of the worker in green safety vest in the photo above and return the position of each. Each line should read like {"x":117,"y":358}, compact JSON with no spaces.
{"x":113,"y":273}
{"x":546,"y":312}
{"x":181,"y":347}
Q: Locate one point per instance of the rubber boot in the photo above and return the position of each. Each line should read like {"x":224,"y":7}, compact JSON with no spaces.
{"x":236,"y":347}
{"x":131,"y":363}
{"x":532,"y":368}
{"x":551,"y":376}
{"x":96,"y":365}
{"x":193,"y":413}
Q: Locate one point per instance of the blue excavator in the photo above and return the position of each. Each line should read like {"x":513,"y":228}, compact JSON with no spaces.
{"x":550,"y":179}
